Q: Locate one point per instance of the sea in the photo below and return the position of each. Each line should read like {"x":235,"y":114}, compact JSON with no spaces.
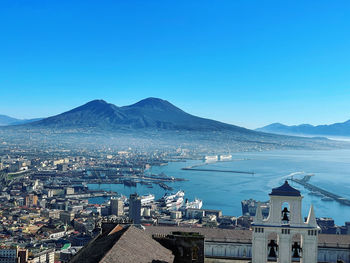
{"x":225,"y":191}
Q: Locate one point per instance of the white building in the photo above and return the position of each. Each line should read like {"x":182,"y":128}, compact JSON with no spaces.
{"x":117,"y":206}
{"x":283,"y":235}
{"x":235,"y":245}
{"x":46,"y":256}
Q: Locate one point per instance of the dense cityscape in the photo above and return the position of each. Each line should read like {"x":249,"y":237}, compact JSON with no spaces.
{"x":46,"y":209}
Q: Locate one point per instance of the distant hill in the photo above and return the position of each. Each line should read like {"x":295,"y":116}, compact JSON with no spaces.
{"x":151,"y":113}
{"x":6,"y":120}
{"x":149,"y":123}
{"x":336,"y":129}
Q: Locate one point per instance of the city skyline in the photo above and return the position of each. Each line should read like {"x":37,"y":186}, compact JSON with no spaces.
{"x":247,"y":64}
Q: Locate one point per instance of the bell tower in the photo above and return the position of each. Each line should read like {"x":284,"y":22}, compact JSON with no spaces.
{"x":284,"y":236}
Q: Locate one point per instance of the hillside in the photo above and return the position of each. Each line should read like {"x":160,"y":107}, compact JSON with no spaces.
{"x":336,"y":129}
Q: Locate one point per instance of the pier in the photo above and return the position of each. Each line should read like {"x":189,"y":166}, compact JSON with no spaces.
{"x":216,"y":170}
{"x":198,"y":167}
{"x":305,"y":182}
{"x":91,"y":194}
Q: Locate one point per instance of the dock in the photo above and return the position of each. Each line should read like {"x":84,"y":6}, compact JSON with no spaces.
{"x":216,"y":170}
{"x":305,"y":182}
{"x":92,"y":194}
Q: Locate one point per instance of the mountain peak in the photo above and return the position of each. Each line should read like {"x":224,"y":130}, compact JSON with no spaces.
{"x":96,"y":102}
{"x":151,"y":101}
{"x":154,"y":103}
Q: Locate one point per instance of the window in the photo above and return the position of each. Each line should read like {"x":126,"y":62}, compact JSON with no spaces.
{"x":312,"y":232}
{"x":286,"y":231}
{"x":259,"y":230}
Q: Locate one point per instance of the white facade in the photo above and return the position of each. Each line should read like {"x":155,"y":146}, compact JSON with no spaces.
{"x":117,"y":206}
{"x":284,"y":236}
{"x":47,"y":256}
{"x":227,"y":250}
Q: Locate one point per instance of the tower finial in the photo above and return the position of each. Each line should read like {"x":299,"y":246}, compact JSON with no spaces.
{"x":311,"y":219}
{"x":258,"y":214}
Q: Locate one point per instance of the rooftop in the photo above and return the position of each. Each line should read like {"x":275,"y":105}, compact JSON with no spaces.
{"x":285,"y":190}
{"x":123,"y":244}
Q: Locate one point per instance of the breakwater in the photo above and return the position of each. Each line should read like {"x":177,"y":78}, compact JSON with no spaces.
{"x":216,"y":170}
{"x":305,"y":182}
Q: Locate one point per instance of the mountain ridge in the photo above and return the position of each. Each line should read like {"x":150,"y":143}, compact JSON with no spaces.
{"x":335,"y":129}
{"x":151,"y":122}
{"x":7,"y":120}
{"x":147,"y":113}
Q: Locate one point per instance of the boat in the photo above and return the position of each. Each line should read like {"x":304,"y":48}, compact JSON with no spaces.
{"x":224,"y":157}
{"x":326,"y":198}
{"x":171,"y":198}
{"x":210,"y":158}
{"x":197,"y":204}
{"x":147,"y":199}
{"x":165,"y":187}
{"x":177,"y":202}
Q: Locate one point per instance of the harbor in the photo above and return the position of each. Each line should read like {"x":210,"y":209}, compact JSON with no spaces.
{"x":270,"y":169}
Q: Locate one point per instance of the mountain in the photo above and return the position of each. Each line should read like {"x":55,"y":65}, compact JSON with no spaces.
{"x":6,"y":120}
{"x":336,"y":129}
{"x":149,"y":123}
{"x":151,"y":113}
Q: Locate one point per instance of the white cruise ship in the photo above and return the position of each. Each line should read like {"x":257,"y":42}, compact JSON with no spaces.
{"x":168,"y":198}
{"x":194,"y":204}
{"x":211,"y":158}
{"x":147,"y":199}
{"x":177,"y":202}
{"x":226,"y":157}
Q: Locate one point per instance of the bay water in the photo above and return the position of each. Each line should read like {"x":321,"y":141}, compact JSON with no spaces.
{"x":225,"y":191}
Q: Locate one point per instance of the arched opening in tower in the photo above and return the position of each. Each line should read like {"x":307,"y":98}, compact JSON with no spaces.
{"x":285,"y":213}
{"x":296,"y":248}
{"x":272,"y":247}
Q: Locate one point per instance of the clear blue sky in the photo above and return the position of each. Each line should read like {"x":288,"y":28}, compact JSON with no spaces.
{"x":245,"y":62}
